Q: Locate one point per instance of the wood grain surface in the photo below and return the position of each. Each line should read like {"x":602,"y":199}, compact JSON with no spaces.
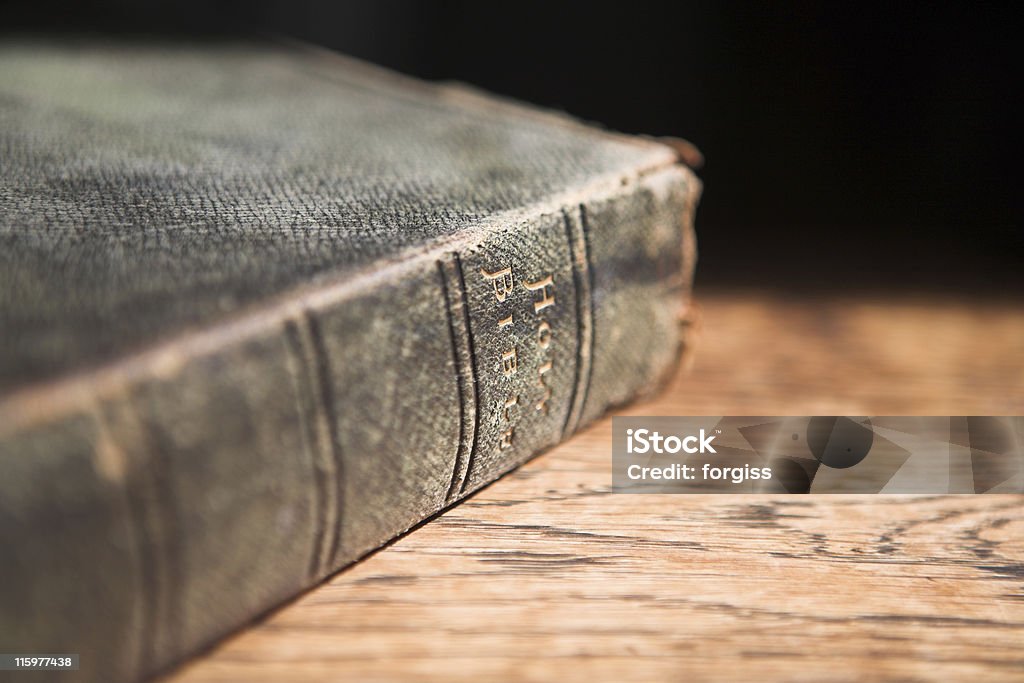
{"x":546,"y":575}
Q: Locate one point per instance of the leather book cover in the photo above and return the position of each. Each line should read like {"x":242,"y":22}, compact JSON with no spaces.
{"x":264,"y":308}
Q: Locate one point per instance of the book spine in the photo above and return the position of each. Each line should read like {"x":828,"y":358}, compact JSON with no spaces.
{"x":153,"y":514}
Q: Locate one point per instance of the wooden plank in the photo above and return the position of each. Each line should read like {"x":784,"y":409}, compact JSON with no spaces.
{"x":546,"y":575}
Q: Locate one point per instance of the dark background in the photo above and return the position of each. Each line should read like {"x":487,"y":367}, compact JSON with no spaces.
{"x":866,"y":147}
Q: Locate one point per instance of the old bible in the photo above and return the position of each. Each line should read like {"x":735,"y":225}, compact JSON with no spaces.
{"x":263,"y":308}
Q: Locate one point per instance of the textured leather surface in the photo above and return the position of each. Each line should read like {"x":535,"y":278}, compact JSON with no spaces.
{"x":148,"y":189}
{"x":264,"y":309}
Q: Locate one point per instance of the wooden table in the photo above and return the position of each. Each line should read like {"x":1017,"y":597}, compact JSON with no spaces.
{"x":546,"y":575}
